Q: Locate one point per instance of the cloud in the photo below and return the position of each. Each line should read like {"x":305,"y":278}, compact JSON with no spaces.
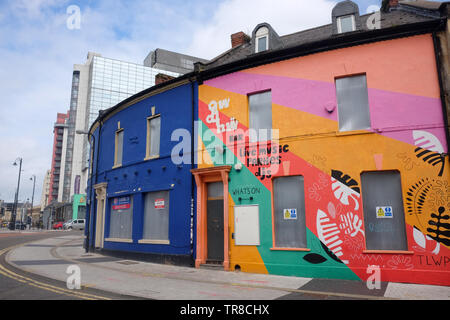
{"x":285,"y":16}
{"x":38,"y":53}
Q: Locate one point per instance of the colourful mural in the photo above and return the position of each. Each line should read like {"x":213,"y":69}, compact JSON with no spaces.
{"x":407,"y":135}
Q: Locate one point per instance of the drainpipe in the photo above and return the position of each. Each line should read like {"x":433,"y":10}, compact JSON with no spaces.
{"x":96,"y":167}
{"x":91,"y":204}
{"x":192,"y":165}
{"x":437,"y":52}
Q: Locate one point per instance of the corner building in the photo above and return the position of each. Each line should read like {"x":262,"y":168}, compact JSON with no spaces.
{"x":356,"y":173}
{"x":140,"y":200}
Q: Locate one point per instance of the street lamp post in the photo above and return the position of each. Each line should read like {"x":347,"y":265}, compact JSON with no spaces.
{"x":13,"y":216}
{"x":33,"y":178}
{"x":88,"y":221}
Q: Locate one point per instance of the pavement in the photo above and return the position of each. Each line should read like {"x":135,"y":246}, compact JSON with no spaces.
{"x":52,"y":257}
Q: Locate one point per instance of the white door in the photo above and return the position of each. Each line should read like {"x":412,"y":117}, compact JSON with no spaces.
{"x":100,"y":227}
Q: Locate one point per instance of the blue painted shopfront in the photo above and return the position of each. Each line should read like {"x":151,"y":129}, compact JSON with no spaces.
{"x":127,"y":185}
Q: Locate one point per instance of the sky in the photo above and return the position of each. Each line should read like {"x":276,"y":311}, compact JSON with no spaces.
{"x":41,"y":40}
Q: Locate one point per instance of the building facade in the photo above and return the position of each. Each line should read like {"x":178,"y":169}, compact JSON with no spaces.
{"x":45,"y":196}
{"x":98,"y":84}
{"x":329,"y":150}
{"x":57,"y":160}
{"x":140,"y":200}
{"x":320,"y":154}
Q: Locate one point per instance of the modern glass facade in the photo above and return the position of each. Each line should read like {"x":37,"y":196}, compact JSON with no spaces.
{"x":113,"y":81}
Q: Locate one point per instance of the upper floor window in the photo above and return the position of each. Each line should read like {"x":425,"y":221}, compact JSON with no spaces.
{"x":260,"y":116}
{"x":262,"y":39}
{"x":153,"y":136}
{"x":118,"y":150}
{"x":353,"y":103}
{"x":346,"y":24}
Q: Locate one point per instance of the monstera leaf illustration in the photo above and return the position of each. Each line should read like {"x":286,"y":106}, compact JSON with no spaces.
{"x":344,"y":193}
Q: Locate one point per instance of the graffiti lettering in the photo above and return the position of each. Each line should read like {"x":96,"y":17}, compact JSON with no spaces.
{"x":440,"y":261}
{"x":214,"y":116}
{"x":264,"y":155}
{"x":248,"y":190}
{"x":381,"y":227}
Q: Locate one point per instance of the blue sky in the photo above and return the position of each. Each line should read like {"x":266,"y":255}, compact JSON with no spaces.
{"x":37,"y":53}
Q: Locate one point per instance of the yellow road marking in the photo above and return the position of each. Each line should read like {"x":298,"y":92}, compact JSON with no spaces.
{"x":10,"y":274}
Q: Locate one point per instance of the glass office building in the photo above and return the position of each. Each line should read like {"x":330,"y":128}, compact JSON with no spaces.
{"x":113,"y":81}
{"x":98,"y":84}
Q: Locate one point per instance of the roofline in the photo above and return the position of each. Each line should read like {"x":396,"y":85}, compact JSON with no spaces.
{"x":336,"y":42}
{"x":333,"y":43}
{"x":162,"y":87}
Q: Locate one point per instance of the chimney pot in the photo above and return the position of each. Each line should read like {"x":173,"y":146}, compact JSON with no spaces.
{"x":239,"y":38}
{"x":160,"y":78}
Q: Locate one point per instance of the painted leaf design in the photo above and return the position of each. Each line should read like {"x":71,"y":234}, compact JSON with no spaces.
{"x":343,"y":193}
{"x":427,"y":140}
{"x":329,"y":234}
{"x":441,"y":233}
{"x":430,"y":157}
{"x":330,"y":253}
{"x":419,"y":237}
{"x":416,"y":196}
{"x":346,"y":180}
{"x":314,"y":258}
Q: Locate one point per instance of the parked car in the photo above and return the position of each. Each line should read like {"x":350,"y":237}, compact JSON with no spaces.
{"x":67,"y":224}
{"x":57,"y":226}
{"x":20,"y":225}
{"x":78,"y":224}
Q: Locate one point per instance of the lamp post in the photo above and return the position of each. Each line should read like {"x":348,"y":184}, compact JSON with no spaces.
{"x":91,"y":165}
{"x":33,"y":178}
{"x":13,"y":216}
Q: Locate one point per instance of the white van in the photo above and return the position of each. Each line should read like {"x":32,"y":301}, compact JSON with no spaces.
{"x":78,"y":224}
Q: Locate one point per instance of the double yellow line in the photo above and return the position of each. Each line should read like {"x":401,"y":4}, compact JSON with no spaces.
{"x":41,"y":285}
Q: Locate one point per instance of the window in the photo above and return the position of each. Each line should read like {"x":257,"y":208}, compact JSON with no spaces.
{"x":384,"y":217}
{"x":260,"y":114}
{"x":153,"y":137}
{"x":262,"y":39}
{"x":346,"y":24}
{"x":121,"y":222}
{"x":289,"y":212}
{"x":353,"y":103}
{"x":118,"y":148}
{"x":156,"y":216}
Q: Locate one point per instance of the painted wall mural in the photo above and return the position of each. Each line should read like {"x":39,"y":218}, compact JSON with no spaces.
{"x":406,"y":136}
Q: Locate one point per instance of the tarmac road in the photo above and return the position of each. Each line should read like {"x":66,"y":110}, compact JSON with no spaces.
{"x":16,"y":284}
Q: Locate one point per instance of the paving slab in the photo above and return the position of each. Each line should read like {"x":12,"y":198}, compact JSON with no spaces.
{"x":51,"y":258}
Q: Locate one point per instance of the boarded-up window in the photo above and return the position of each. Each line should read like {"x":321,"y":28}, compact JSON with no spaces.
{"x":384,"y":217}
{"x":121,"y":222}
{"x":153,"y":136}
{"x":118,"y":148}
{"x":260,"y":110}
{"x":156,"y":216}
{"x":353,"y":103}
{"x":289,"y":215}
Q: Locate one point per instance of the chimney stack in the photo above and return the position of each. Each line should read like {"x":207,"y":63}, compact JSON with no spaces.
{"x":393,"y":3}
{"x":160,"y":78}
{"x":239,"y":38}
{"x":387,"y":4}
